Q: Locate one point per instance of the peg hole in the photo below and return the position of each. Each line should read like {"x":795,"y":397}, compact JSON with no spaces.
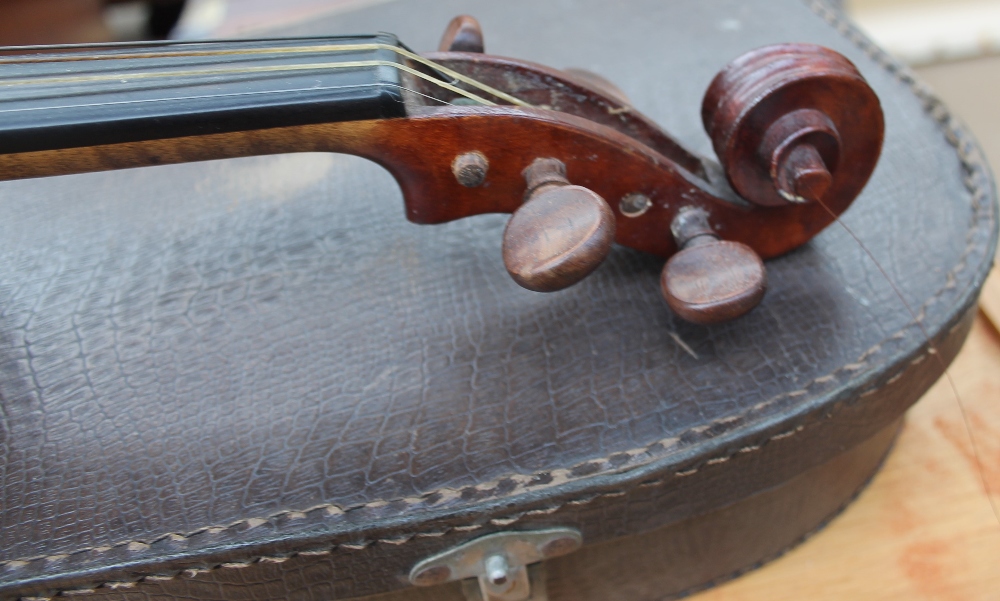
{"x":634,"y":205}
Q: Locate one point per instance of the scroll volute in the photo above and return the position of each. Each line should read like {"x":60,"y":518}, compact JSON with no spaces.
{"x":794,"y":124}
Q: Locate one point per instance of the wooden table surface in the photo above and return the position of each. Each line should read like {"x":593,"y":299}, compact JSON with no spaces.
{"x":924,"y":529}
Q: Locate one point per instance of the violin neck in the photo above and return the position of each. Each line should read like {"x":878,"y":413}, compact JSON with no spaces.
{"x":61,"y":97}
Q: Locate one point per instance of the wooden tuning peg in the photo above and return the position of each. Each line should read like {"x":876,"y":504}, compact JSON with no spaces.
{"x":560,"y":234}
{"x":710,"y":280}
{"x":463,"y":34}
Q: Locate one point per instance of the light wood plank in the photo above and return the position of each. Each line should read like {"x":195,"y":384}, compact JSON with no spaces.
{"x":989,"y":302}
{"x":924,"y":529}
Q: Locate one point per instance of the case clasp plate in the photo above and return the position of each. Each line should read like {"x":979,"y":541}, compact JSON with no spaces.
{"x":499,"y":562}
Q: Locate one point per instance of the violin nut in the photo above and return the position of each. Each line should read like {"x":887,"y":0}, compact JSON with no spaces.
{"x":470,"y":168}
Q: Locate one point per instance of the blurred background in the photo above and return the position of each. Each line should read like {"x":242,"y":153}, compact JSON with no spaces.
{"x":954,"y":45}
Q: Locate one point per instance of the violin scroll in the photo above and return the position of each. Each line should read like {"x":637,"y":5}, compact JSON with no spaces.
{"x":797,"y":131}
{"x":794,"y":123}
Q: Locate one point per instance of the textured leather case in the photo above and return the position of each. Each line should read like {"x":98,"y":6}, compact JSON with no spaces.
{"x":254,"y":379}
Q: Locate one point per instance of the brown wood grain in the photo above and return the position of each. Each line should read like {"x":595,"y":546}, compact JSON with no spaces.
{"x":924,"y":529}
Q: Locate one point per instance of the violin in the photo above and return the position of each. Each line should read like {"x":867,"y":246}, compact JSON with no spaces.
{"x":796,"y":129}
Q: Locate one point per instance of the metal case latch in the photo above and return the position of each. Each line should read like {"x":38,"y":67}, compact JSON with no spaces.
{"x":499,"y":561}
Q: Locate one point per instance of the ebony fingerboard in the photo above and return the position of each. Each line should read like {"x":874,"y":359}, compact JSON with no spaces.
{"x":65,"y":97}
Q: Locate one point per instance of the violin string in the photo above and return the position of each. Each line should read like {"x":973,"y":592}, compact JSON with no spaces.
{"x":329,"y":48}
{"x":261,"y":69}
{"x":933,"y":350}
{"x":63,"y":58}
{"x":177,"y":43}
{"x":428,"y":96}
{"x":837,"y":19}
{"x":277,"y":50}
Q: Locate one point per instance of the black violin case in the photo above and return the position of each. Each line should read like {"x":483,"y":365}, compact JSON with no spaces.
{"x":254,"y":379}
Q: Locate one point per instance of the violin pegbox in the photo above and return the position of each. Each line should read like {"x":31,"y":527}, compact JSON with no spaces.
{"x":796,"y":128}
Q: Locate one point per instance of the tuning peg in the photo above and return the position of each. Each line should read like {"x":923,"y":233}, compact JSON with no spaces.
{"x":463,"y":34}
{"x":560,"y":234}
{"x":710,"y":280}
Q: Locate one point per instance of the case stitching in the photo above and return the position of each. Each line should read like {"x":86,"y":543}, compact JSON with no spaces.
{"x":192,"y":572}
